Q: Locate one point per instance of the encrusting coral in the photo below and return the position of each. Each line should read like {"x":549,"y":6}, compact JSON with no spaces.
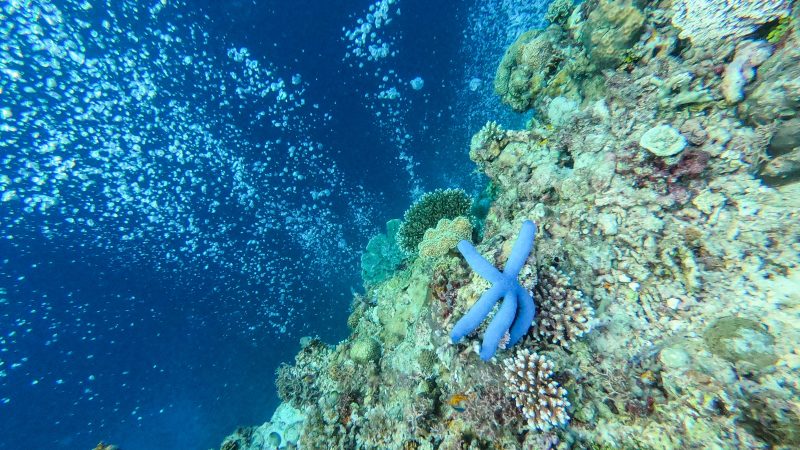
{"x":542,"y":401}
{"x":426,"y":212}
{"x":382,"y":255}
{"x":710,"y":22}
{"x":448,"y":233}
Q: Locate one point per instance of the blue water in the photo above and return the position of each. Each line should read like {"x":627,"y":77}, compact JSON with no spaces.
{"x":186,"y":188}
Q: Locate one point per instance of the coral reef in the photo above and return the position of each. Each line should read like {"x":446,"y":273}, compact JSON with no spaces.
{"x":749,"y":55}
{"x":611,"y":28}
{"x":558,"y":12}
{"x":534,"y":64}
{"x":541,"y":400}
{"x":382,"y":255}
{"x":678,"y":324}
{"x":710,"y":22}
{"x":426,"y":212}
{"x":439,"y":241}
{"x":663,"y":140}
{"x":564,"y":315}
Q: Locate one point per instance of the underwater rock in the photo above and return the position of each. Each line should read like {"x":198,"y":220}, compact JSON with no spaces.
{"x":749,"y":55}
{"x":439,"y":241}
{"x":674,"y":358}
{"x":382,"y":255}
{"x":707,"y":201}
{"x":663,"y":140}
{"x":527,"y":67}
{"x":775,"y":93}
{"x":772,"y":416}
{"x":281,"y":432}
{"x":610,"y":30}
{"x":785,"y":138}
{"x":782,"y":169}
{"x":365,"y":350}
{"x":738,"y":339}
{"x":299,"y":384}
{"x":558,"y":12}
{"x":487,"y":143}
{"x":709,"y":23}
{"x":561,"y":110}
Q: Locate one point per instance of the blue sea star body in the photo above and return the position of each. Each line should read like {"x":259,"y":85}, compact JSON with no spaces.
{"x":517,"y":311}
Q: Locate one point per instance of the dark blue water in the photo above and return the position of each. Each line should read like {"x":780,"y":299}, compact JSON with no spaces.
{"x":172,"y":225}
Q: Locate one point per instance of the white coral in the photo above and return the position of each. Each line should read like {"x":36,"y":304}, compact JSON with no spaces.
{"x":564,"y":315}
{"x":542,"y":401}
{"x":709,"y":22}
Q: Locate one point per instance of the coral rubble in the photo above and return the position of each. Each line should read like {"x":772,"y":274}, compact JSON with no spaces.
{"x":661,"y":167}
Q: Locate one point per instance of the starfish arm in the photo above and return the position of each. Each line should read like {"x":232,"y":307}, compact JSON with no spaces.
{"x":498,"y":326}
{"x":522,"y":248}
{"x":478,"y":263}
{"x":473,"y":318}
{"x":526,"y":311}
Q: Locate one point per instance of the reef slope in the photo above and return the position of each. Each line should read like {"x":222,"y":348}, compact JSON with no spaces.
{"x":661,"y":168}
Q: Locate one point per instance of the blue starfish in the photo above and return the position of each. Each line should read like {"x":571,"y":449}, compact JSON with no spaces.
{"x":516,"y":313}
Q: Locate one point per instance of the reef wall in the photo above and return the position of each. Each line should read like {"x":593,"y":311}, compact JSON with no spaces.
{"x":661,"y":167}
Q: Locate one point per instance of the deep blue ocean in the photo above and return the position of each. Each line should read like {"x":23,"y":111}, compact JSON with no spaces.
{"x":186,"y":188}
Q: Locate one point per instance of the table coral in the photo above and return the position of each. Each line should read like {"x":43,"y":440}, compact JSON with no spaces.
{"x":517,"y":311}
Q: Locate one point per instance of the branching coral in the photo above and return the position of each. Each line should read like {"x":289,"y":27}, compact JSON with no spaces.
{"x":542,"y":401}
{"x":564,"y":315}
{"x":426,"y":213}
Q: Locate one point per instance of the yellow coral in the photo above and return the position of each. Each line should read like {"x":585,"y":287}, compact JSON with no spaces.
{"x":440,"y":240}
{"x":780,"y":30}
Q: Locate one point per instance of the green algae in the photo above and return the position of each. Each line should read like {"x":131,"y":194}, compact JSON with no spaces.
{"x":739,"y":339}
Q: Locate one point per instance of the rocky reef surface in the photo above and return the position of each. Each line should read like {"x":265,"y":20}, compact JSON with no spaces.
{"x":662,"y":167}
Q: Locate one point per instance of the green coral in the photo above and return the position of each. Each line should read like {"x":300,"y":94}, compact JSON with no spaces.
{"x":427,"y":212}
{"x":439,"y":241}
{"x":739,"y":339}
{"x":382,"y":255}
{"x":427,"y":360}
{"x":780,"y":30}
{"x":526,"y":68}
{"x":558,"y":12}
{"x":612,"y":28}
{"x":365,"y":350}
